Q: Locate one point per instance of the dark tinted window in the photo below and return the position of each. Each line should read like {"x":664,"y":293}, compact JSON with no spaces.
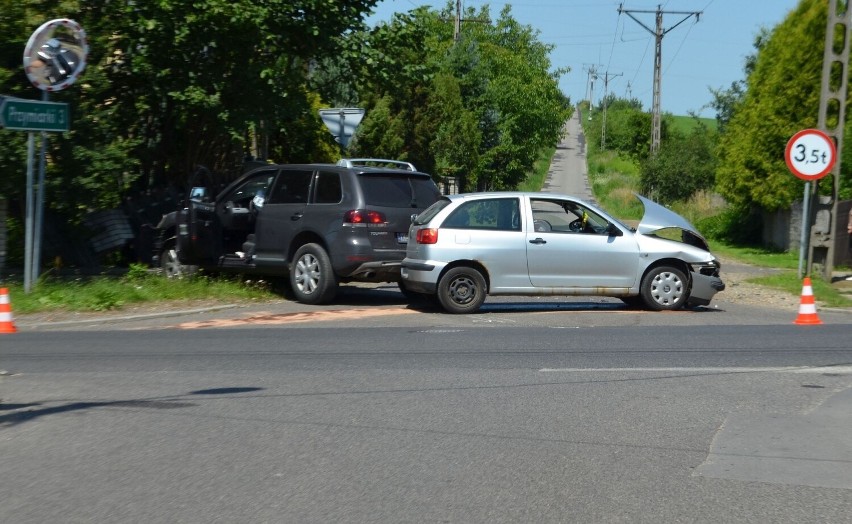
{"x":291,"y":187}
{"x":398,"y":190}
{"x":328,"y":190}
{"x":425,"y":191}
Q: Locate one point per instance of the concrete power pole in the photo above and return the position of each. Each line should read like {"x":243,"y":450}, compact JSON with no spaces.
{"x":832,"y":111}
{"x":592,"y":71}
{"x":607,"y":76}
{"x":457,"y":30}
{"x":658,"y":33}
{"x":458,"y":22}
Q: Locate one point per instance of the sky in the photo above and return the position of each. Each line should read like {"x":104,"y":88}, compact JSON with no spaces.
{"x":696,"y":55}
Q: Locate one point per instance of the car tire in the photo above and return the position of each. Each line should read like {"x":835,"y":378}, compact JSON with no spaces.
{"x":311,"y":276}
{"x":170,"y":264}
{"x":461,"y":290}
{"x":665,"y":288}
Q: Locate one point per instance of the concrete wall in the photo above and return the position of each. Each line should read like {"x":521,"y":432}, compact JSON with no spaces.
{"x":783,"y":229}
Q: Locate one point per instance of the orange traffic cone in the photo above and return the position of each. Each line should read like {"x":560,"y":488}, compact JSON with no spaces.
{"x":807,"y":307}
{"x":6,"y":324}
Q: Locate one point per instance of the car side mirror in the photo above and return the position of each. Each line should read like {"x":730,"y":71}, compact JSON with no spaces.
{"x":413,"y":217}
{"x":198,"y":194}
{"x":614,"y":231}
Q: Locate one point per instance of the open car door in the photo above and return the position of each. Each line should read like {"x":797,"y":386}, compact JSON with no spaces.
{"x":197,"y":227}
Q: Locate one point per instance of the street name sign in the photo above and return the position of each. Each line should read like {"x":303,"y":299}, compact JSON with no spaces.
{"x":33,"y":115}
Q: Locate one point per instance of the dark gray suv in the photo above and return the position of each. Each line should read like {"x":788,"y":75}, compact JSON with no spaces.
{"x":321,"y":224}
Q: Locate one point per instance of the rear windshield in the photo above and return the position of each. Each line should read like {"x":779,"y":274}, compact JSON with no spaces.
{"x":382,"y":190}
{"x":431,"y":211}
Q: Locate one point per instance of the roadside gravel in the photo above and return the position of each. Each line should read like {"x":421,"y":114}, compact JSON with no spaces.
{"x":738,"y":290}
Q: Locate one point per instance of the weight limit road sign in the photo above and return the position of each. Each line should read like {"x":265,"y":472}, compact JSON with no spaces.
{"x":810,"y":154}
{"x":33,"y":115}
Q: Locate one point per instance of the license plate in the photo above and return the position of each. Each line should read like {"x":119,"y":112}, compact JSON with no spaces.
{"x":402,"y":238}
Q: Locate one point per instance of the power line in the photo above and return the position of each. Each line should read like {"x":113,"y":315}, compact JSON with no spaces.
{"x":659,"y":32}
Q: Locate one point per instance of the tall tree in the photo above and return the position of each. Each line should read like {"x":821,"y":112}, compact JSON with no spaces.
{"x":175,"y":83}
{"x":782,"y":98}
{"x":501,"y":75}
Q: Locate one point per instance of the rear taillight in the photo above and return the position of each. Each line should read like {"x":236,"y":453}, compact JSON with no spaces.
{"x":427,"y":236}
{"x":363,"y":217}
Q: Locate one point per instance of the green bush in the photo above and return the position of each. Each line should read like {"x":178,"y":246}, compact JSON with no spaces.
{"x":733,"y":225}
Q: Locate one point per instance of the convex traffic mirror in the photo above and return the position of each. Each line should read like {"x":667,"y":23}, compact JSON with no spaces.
{"x":56,"y":54}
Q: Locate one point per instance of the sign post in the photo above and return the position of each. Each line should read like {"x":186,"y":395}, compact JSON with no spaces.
{"x":810,"y":155}
{"x":54,"y":57}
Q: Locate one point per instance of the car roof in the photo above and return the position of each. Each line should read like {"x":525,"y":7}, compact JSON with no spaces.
{"x":341,"y":169}
{"x":509,"y":194}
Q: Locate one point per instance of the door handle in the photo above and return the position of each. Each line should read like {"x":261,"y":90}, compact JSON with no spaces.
{"x":538,"y":241}
{"x":295,"y":216}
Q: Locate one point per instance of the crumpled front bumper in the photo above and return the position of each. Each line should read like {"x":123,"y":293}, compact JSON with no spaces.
{"x":704,"y":288}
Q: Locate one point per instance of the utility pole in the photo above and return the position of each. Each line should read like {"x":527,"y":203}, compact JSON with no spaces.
{"x":658,"y":33}
{"x":629,"y":92}
{"x":592,"y":71}
{"x":459,"y":20}
{"x":457,"y":30}
{"x":607,"y":76}
{"x":832,"y":111}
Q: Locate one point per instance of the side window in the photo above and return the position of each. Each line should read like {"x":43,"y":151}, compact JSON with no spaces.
{"x":257,"y":185}
{"x":565,"y":216}
{"x":328,"y":189}
{"x":550,"y":216}
{"x":291,"y":188}
{"x":501,"y":214}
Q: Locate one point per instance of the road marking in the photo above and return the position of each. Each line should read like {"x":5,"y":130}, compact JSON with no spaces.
{"x":784,"y":369}
{"x":293,"y":318}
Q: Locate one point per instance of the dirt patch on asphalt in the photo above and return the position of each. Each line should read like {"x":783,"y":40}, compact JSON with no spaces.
{"x":735,"y":276}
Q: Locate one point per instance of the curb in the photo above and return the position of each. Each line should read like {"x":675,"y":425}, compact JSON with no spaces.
{"x":125,"y":318}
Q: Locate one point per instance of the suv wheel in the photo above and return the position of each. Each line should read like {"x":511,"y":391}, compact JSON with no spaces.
{"x":461,"y":290}
{"x":311,"y":275}
{"x":171,"y":266}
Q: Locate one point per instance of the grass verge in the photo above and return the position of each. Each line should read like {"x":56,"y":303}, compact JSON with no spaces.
{"x":787,"y":280}
{"x":104,"y":293}
{"x":535,"y":179}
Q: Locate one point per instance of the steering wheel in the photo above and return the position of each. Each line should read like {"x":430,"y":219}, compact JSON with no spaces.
{"x":576,"y":226}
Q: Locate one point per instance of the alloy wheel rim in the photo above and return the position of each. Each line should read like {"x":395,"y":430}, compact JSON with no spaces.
{"x":307,"y":274}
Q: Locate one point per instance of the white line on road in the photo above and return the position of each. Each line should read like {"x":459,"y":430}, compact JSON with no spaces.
{"x":787,"y":369}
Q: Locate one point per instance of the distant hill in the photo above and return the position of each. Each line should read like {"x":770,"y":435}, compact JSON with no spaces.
{"x":684,"y":124}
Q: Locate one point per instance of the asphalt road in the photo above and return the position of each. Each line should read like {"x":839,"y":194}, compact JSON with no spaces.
{"x":430,"y":422}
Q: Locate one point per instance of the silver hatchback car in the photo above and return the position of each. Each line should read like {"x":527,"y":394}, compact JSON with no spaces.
{"x":465,"y":247}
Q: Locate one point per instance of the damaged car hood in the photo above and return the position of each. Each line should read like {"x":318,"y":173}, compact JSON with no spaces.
{"x":657,"y":217}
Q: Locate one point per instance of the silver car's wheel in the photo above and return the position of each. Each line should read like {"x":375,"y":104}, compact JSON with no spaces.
{"x":170,"y":264}
{"x":664,"y":288}
{"x":311,"y":275}
{"x":462,"y":290}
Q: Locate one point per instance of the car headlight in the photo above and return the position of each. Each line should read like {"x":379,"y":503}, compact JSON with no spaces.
{"x":710,"y":268}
